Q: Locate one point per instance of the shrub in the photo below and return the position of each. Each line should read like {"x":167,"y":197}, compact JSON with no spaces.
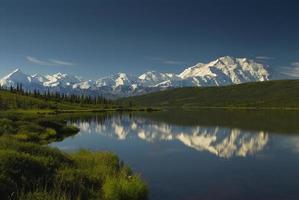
{"x":30,"y":128}
{"x":50,"y":124}
{"x":43,"y":195}
{"x":31,"y":171}
{"x":22,"y":170}
{"x":6,"y":126}
{"x":124,"y":188}
{"x":22,"y":137}
{"x":101,"y":165}
{"x":78,"y":183}
{"x":56,"y":158}
{"x":47,"y":133}
{"x":68,"y":130}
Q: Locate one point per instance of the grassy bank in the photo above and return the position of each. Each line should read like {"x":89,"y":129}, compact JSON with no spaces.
{"x":31,"y":170}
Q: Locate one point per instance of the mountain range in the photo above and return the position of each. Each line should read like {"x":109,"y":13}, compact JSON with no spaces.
{"x":222,"y":71}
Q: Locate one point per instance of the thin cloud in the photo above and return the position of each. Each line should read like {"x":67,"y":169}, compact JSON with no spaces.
{"x":50,"y":62}
{"x":37,"y":61}
{"x":292,"y":71}
{"x":61,"y":62}
{"x":264,"y":58}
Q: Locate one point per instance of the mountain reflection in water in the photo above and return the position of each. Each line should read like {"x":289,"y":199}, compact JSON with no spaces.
{"x":222,"y":142}
{"x":200,"y":155}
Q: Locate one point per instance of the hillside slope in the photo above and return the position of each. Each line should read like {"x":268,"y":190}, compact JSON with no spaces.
{"x":276,"y":94}
{"x":16,"y":100}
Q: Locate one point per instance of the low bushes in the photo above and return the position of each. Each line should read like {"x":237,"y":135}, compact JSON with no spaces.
{"x":31,"y":171}
{"x":6,"y":126}
{"x":36,"y":130}
{"x":124,"y":187}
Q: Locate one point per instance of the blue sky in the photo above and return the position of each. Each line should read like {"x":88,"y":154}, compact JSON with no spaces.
{"x":94,"y":38}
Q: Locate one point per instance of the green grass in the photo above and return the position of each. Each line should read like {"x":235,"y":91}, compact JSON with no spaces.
{"x":31,"y":171}
{"x":10,"y":100}
{"x":36,"y":128}
{"x":268,"y":95}
{"x":19,"y":103}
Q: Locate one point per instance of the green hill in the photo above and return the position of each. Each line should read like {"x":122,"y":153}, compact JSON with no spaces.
{"x":270,"y":94}
{"x":19,"y":101}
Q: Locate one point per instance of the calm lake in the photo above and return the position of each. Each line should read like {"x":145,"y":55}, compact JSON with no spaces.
{"x":203,"y":154}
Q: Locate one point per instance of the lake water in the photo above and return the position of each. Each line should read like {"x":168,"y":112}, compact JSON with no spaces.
{"x":200,"y":155}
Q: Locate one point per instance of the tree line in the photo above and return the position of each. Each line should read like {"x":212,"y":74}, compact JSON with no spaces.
{"x":48,"y":96}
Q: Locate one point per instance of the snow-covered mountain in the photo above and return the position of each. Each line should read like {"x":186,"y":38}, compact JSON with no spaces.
{"x":18,"y":77}
{"x":222,"y":71}
{"x":226,"y":70}
{"x":61,"y":80}
{"x":152,"y":78}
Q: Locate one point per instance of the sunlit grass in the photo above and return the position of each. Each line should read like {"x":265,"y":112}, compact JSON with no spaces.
{"x":31,"y":171}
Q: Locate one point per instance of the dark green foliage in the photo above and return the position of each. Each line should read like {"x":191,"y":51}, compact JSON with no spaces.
{"x":35,"y":128}
{"x":56,"y":156}
{"x":77,"y":182}
{"x":270,"y":94}
{"x":26,"y":166}
{"x":43,"y":195}
{"x":6,"y":126}
{"x":16,"y":98}
{"x":124,"y":188}
{"x":31,"y":171}
{"x":58,"y":126}
{"x":23,"y":169}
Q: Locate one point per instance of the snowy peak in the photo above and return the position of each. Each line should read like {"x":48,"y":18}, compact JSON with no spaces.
{"x":123,"y":79}
{"x":226,"y":70}
{"x":60,"y":79}
{"x":117,"y":80}
{"x":16,"y":74}
{"x":152,"y":78}
{"x":227,"y":60}
{"x":222,"y":71}
{"x":12,"y":79}
{"x":17,"y":70}
{"x":85,"y":85}
{"x":38,"y":81}
{"x":39,"y":78}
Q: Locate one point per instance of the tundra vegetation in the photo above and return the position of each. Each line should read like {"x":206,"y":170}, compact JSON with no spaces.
{"x":29,"y":169}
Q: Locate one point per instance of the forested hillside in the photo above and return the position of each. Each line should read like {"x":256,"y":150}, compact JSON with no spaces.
{"x":17,"y":98}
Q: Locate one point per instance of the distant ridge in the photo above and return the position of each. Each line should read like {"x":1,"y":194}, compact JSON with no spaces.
{"x":222,"y":71}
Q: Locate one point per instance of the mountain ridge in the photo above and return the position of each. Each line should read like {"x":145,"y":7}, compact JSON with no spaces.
{"x":225,"y":70}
